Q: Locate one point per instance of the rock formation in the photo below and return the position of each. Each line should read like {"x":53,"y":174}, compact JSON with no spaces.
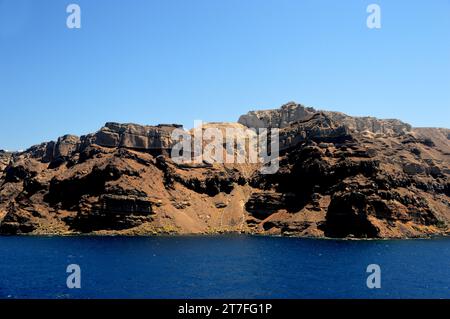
{"x":149,"y":138}
{"x":339,"y":176}
{"x":293,"y":112}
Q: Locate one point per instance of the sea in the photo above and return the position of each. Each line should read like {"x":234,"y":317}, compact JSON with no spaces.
{"x":222,"y":267}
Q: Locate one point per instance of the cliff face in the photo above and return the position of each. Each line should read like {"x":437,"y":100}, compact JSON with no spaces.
{"x":293,"y":112}
{"x":339,"y":176}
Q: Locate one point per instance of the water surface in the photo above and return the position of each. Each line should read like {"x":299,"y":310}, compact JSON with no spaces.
{"x":222,"y":267}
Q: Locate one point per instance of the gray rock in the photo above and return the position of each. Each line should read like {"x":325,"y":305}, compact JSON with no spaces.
{"x":413,"y":169}
{"x":281,"y":118}
{"x":293,"y":112}
{"x":156,"y":138}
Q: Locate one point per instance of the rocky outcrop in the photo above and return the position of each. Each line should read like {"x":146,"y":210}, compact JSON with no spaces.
{"x":318,"y":127}
{"x":438,"y":138}
{"x":293,"y":112}
{"x":338,"y":176}
{"x":154,"y":139}
{"x":280,"y":118}
{"x":5,"y":158}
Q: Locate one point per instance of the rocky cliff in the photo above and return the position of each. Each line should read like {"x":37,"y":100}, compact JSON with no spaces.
{"x":293,"y":112}
{"x":339,"y":176}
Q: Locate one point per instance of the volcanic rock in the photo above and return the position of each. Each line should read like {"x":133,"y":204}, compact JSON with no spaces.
{"x":339,"y":176}
{"x":293,"y":112}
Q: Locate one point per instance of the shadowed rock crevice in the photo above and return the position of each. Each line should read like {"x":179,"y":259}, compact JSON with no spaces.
{"x":68,"y":192}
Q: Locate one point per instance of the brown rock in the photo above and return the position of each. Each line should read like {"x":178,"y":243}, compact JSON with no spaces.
{"x":339,"y":176}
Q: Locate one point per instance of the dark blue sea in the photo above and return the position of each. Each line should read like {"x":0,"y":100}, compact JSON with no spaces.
{"x":222,"y":267}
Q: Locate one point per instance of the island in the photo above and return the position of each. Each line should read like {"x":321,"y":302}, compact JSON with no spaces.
{"x":339,"y":176}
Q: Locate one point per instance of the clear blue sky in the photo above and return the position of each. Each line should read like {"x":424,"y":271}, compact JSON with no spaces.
{"x":176,"y":61}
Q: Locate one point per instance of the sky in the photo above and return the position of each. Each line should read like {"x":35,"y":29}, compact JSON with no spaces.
{"x":176,"y":61}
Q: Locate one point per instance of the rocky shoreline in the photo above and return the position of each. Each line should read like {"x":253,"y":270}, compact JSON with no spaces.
{"x":339,"y":177}
{"x":220,"y":234}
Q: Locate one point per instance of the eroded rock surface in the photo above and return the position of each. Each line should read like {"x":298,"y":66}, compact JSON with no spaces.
{"x":293,"y":112}
{"x":339,"y":176}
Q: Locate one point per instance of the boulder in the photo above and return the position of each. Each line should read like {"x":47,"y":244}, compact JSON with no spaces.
{"x":66,"y":146}
{"x":413,"y":168}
